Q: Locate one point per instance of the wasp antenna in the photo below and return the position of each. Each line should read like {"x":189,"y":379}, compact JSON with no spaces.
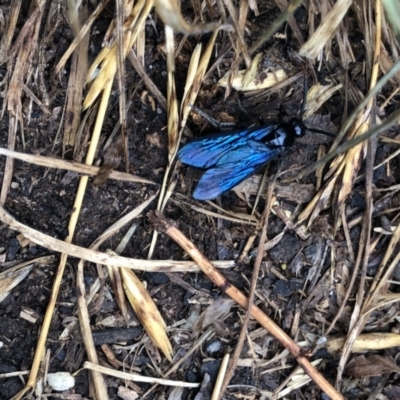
{"x":319,"y":131}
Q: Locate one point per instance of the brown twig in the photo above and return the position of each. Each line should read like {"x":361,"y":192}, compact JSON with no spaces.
{"x":163,"y":225}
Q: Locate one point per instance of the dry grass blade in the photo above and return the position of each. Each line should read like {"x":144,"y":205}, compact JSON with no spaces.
{"x":71,"y":230}
{"x":84,"y":318}
{"x":120,"y":18}
{"x":282,"y":4}
{"x":136,"y":377}
{"x":317,"y":95}
{"x":170,"y":13}
{"x":102,"y":258}
{"x":11,"y":277}
{"x":206,"y":336}
{"x":146,"y":79}
{"x":190,"y":78}
{"x":169,"y":228}
{"x":392,"y":9}
{"x":239,"y":24}
{"x":313,"y":47}
{"x":230,"y":216}
{"x":195,"y":77}
{"x":344,"y":168}
{"x":227,"y":218}
{"x":172,"y":104}
{"x":84,"y":169}
{"x":353,"y":157}
{"x":27,"y":45}
{"x":76,"y":80}
{"x":172,"y":101}
{"x":382,"y":276}
{"x":358,"y":318}
{"x":284,"y":16}
{"x":296,"y":381}
{"x":74,"y":94}
{"x":140,"y":300}
{"x":6,"y":39}
{"x":85,"y":29}
{"x":116,"y":282}
{"x":147,"y":312}
{"x":114,"y":274}
{"x":221,"y":375}
{"x":121,"y":222}
{"x":116,"y":278}
{"x":320,"y":202}
{"x":252,"y":291}
{"x":214,"y":312}
{"x":252,"y":70}
{"x":173,"y":122}
{"x":352,"y":163}
{"x":108,"y":56}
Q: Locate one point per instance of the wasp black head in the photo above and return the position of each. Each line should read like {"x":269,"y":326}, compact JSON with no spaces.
{"x":298,"y":127}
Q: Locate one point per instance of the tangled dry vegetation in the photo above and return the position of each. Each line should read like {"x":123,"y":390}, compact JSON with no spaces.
{"x":96,"y":100}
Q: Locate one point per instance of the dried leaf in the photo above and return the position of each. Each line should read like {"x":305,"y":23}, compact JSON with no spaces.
{"x":213,"y":312}
{"x":375,"y":365}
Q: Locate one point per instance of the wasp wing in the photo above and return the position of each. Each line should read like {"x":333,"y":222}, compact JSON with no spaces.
{"x":209,"y":150}
{"x":233,"y":168}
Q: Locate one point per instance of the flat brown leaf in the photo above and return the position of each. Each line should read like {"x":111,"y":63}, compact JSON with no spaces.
{"x":212,"y":313}
{"x":374,"y":365}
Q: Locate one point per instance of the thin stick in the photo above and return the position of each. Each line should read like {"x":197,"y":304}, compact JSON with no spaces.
{"x":168,"y":227}
{"x":59,"y":163}
{"x":84,"y":318}
{"x":136,"y":377}
{"x":93,"y":256}
{"x":256,"y":270}
{"x":63,"y":260}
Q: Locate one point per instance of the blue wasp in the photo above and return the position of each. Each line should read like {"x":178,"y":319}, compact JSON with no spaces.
{"x":231,"y":157}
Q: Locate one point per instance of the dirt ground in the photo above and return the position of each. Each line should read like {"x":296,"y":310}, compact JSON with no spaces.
{"x":302,"y":280}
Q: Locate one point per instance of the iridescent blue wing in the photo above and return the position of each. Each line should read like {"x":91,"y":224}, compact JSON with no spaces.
{"x":209,"y":150}
{"x":232,"y":168}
